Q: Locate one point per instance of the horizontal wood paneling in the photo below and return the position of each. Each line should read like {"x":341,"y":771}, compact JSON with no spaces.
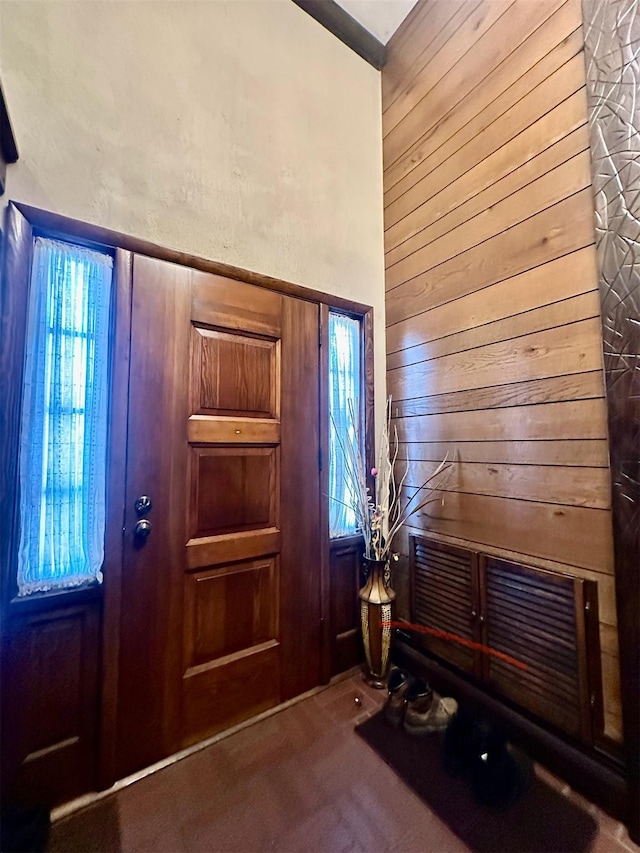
{"x":567,"y":276}
{"x":555,"y":43}
{"x":572,"y":536}
{"x":493,"y":320}
{"x":548,"y":189}
{"x":422,"y":25}
{"x":583,"y":307}
{"x":554,"y":232}
{"x":554,"y":389}
{"x":514,"y":23}
{"x":560,"y":86}
{"x":552,"y":352}
{"x":505,"y":172}
{"x":587,"y":453}
{"x":565,"y":421}
{"x":560,"y":485}
{"x":448,"y":48}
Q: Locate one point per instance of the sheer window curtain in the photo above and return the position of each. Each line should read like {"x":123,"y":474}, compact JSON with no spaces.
{"x":63,"y":439}
{"x":344,"y":390}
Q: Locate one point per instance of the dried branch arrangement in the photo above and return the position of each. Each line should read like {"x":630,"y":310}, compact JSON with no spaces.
{"x":381,"y":515}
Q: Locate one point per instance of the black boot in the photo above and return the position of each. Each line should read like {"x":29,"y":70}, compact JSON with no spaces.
{"x":500,"y":774}
{"x":397,"y":687}
{"x":464,"y":742}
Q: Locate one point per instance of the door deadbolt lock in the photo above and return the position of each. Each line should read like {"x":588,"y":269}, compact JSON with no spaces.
{"x":142,"y":531}
{"x":143,"y":504}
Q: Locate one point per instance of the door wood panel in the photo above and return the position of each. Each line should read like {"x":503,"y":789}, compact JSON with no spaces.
{"x":234,"y":374}
{"x":233,"y":489}
{"x":300,"y":498}
{"x":151,"y":595}
{"x":51,"y":670}
{"x":229,"y":609}
{"x":223,"y":597}
{"x":237,"y":687}
{"x":345,"y":567}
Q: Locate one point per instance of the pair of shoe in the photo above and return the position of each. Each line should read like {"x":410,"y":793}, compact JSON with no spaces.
{"x":498,"y":773}
{"x":412,"y":702}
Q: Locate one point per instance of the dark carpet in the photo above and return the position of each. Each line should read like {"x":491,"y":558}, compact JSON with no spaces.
{"x":541,"y":821}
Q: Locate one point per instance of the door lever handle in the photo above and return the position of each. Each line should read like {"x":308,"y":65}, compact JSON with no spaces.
{"x":141,"y":531}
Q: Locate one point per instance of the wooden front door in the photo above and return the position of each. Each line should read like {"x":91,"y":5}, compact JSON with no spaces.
{"x":220,"y":604}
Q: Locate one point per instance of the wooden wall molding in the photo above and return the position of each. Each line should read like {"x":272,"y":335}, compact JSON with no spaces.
{"x":55,"y":223}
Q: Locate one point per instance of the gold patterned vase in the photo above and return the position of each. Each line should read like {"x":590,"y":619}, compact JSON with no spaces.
{"x":376,"y":599}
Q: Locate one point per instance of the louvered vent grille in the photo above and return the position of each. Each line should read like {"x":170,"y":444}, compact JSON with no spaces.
{"x":530,"y":615}
{"x":443,"y":598}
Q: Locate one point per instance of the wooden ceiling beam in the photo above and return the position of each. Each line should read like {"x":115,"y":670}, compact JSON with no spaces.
{"x":8,"y":147}
{"x":350,"y":32}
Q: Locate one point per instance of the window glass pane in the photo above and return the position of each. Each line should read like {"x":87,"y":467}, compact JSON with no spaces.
{"x":344,"y":399}
{"x":63,"y":437}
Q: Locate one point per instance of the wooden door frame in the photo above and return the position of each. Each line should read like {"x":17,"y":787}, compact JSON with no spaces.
{"x":328,"y":632}
{"x":124,"y":245}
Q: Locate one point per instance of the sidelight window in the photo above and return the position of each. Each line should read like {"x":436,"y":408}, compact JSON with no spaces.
{"x":63,"y":433}
{"x":345,"y":413}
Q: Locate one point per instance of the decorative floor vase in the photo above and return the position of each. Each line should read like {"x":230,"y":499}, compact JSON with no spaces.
{"x":376,"y":598}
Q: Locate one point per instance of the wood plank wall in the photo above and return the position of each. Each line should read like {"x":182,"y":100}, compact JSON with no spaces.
{"x":493,"y":316}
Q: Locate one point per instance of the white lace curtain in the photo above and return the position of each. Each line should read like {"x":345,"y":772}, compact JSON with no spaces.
{"x":344,"y":390}
{"x":63,"y":435}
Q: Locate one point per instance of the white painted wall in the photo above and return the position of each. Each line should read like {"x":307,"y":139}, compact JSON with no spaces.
{"x":238,"y":130}
{"x":380,"y":17}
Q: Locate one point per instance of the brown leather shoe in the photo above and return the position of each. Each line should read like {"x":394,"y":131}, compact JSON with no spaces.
{"x":426,"y":711}
{"x":397,"y":687}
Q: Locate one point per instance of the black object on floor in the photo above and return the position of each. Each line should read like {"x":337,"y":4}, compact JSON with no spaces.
{"x":24,"y":829}
{"x":542,"y":820}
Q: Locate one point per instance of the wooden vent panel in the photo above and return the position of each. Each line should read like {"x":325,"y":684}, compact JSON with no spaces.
{"x":442,"y":598}
{"x":531,"y":635}
{"x":537,"y":618}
